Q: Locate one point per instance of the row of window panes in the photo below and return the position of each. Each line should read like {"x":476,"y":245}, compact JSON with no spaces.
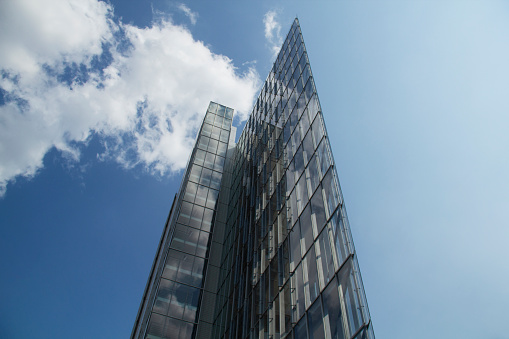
{"x":205,"y":176}
{"x":211,"y":145}
{"x":215,"y":132}
{"x":165,"y":327}
{"x":337,"y":312}
{"x":201,"y":195}
{"x":195,"y":216}
{"x":302,"y":112}
{"x":209,"y":160}
{"x":220,"y":110}
{"x":217,"y":121}
{"x":300,"y":76}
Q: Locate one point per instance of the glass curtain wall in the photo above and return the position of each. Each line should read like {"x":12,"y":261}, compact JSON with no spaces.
{"x":175,"y":290}
{"x":288,"y":265}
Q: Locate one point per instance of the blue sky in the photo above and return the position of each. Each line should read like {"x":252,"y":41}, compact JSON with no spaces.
{"x":100,"y":103}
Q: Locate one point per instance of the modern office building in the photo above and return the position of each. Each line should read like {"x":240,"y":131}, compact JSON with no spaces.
{"x":257,"y":243}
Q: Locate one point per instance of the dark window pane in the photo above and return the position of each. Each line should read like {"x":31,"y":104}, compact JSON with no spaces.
{"x":307,"y":147}
{"x":318,"y":212}
{"x":295,"y":247}
{"x":194,"y":174}
{"x":349,"y":296}
{"x":185,"y":239}
{"x":299,"y":332}
{"x":313,"y":173}
{"x":332,"y":310}
{"x":207,"y":219}
{"x":311,"y":282}
{"x":302,"y":192}
{"x":324,"y":255}
{"x":317,"y":129}
{"x":191,"y":190}
{"x":163,"y":297}
{"x":156,"y":326}
{"x":315,"y":321}
{"x":331,"y":191}
{"x":196,"y":216}
{"x":185,"y":213}
{"x":186,"y":330}
{"x":313,"y":107}
{"x":340,"y":240}
{"x":306,"y":229}
{"x":199,"y":157}
{"x":323,"y":157}
{"x":293,"y":210}
{"x":201,"y":195}
{"x":298,"y":297}
{"x":201,"y":248}
{"x":212,"y":198}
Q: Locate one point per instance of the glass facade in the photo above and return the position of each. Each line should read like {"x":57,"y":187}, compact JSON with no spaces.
{"x":258,"y":244}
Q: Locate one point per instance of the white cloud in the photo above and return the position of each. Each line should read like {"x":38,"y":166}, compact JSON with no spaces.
{"x":190,"y":14}
{"x":273,"y":32}
{"x":147,"y":102}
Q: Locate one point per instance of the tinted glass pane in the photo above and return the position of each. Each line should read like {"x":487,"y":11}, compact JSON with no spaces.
{"x":298,"y":297}
{"x":306,"y":229}
{"x":199,"y":157}
{"x":308,"y":148}
{"x":206,"y":174}
{"x":162,"y":299}
{"x":332,"y":309}
{"x":207,"y":219}
{"x":311,"y":282}
{"x":315,"y":321}
{"x":156,"y":326}
{"x":295,"y":247}
{"x":185,"y":213}
{"x":206,"y":130}
{"x":191,"y":190}
{"x":201,"y":246}
{"x":330,"y":191}
{"x":324,"y":255}
{"x":340,"y":240}
{"x":209,"y":160}
{"x":213,"y":146}
{"x":318,"y":212}
{"x":317,"y":129}
{"x":194,"y":174}
{"x":299,"y":332}
{"x":348,"y":296}
{"x":185,"y":239}
{"x":313,"y":173}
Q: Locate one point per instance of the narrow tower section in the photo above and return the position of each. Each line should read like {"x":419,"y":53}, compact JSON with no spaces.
{"x":174,"y":294}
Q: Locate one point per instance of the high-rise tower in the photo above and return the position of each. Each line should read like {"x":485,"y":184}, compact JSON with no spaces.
{"x":257,"y":243}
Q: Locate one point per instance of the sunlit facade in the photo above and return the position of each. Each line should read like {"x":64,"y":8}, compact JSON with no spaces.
{"x":257,"y":243}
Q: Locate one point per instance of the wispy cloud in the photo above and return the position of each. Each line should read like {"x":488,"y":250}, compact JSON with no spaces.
{"x":273,"y":31}
{"x":193,"y":16}
{"x":69,"y":71}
